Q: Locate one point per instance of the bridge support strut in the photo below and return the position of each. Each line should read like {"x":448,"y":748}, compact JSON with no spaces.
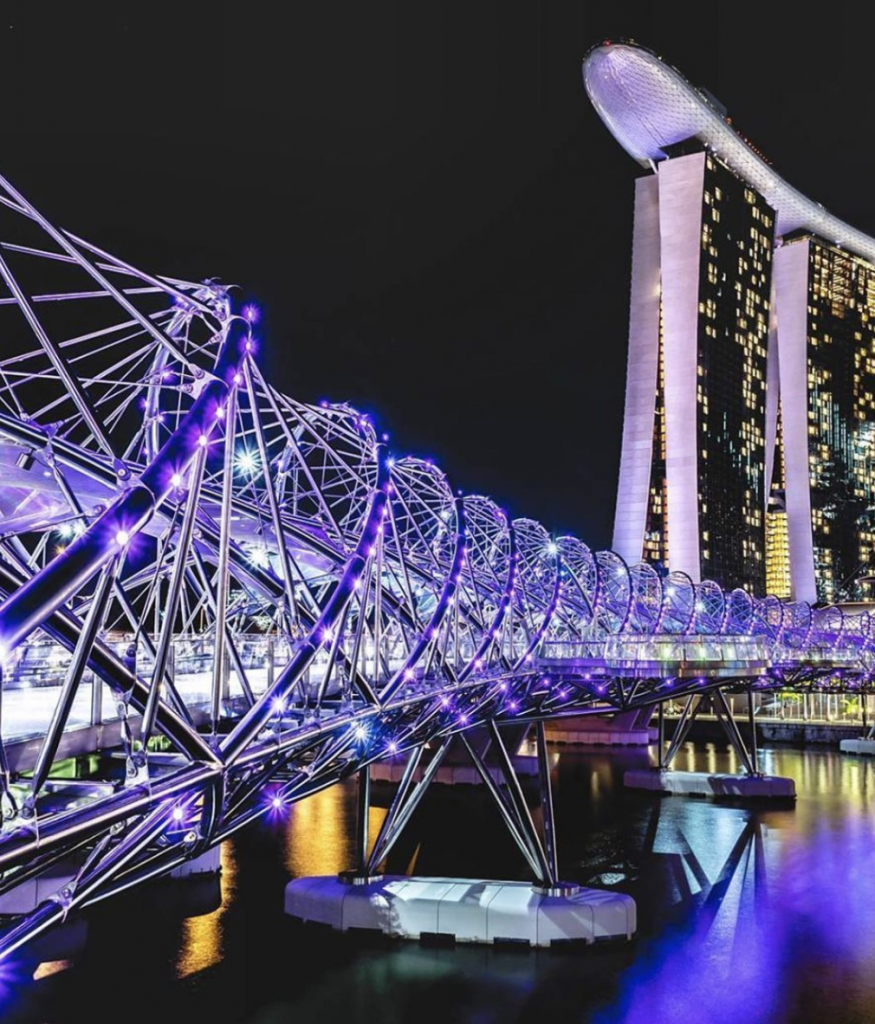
{"x":717,"y":702}
{"x":540,"y":854}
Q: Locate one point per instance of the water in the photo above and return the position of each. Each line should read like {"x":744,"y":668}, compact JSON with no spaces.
{"x":745,"y":916}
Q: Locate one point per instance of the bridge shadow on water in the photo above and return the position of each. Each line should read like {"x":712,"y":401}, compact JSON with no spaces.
{"x":745,"y":914}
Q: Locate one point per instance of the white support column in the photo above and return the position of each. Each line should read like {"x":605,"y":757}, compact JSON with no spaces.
{"x":773,"y":392}
{"x":681,"y":184}
{"x":791,"y":298}
{"x":641,"y":375}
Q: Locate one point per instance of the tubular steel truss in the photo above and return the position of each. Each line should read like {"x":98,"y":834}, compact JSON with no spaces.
{"x":250,"y":599}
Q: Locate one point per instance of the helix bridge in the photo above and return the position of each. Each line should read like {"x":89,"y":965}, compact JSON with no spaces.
{"x":240,"y":599}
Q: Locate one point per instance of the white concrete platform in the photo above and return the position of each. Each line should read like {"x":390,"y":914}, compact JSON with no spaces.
{"x":720,"y":787}
{"x":627,"y":729}
{"x":600,"y":737}
{"x":462,"y":910}
{"x":452,"y":774}
{"x":858,"y":747}
{"x":209,"y":863}
{"x":27,"y":896}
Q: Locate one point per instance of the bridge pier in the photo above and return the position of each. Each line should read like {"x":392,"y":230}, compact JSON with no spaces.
{"x":545,"y":913}
{"x":622,"y":729}
{"x":862,"y":745}
{"x":865,"y":746}
{"x":208,"y":863}
{"x":752,"y":784}
{"x":457,"y":768}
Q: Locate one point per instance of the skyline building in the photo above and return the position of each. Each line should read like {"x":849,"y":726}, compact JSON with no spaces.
{"x":826,"y":299}
{"x":748,"y":451}
{"x":701,"y":283}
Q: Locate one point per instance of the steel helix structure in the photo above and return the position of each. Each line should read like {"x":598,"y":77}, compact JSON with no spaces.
{"x":242,"y":599}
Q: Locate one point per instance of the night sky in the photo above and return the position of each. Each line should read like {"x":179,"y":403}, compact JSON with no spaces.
{"x":433,"y":218}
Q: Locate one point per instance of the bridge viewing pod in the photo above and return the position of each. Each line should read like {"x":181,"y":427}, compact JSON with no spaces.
{"x":250,"y":599}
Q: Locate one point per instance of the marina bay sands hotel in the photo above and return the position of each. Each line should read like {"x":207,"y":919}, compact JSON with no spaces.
{"x":749,"y":434}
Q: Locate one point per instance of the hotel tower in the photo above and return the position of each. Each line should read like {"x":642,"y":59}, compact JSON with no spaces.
{"x":749,"y":435}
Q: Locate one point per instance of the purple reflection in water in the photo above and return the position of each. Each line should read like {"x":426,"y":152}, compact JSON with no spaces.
{"x":748,"y":916}
{"x":757,"y":916}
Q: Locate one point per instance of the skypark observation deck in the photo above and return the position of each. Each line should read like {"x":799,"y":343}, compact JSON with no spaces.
{"x":187,"y":553}
{"x":649,"y":106}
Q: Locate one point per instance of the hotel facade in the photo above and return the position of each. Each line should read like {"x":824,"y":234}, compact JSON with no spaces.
{"x":748,"y":450}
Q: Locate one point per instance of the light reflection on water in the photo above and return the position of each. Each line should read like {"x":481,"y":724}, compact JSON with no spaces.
{"x":319,"y":838}
{"x":759,"y":916}
{"x":201,"y":942}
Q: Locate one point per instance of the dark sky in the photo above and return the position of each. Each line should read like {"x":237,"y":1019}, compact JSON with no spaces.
{"x":433,"y":218}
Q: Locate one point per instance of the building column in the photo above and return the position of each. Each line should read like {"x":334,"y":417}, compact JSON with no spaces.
{"x":791,"y":300}
{"x":681,"y":187}
{"x":642,"y":371}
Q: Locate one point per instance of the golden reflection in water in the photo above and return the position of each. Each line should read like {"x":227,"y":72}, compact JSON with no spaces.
{"x":376,"y":817}
{"x":734,"y":766}
{"x":200,"y":944}
{"x":50,"y":967}
{"x":710,"y":758}
{"x":689,"y":749}
{"x":320,"y":836}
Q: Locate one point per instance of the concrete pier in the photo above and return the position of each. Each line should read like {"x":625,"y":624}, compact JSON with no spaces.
{"x":866,"y":747}
{"x":209,"y":863}
{"x":717,"y":786}
{"x":452,"y":774}
{"x":27,"y":896}
{"x":630,"y":729}
{"x":24,"y":898}
{"x":463,"y":910}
